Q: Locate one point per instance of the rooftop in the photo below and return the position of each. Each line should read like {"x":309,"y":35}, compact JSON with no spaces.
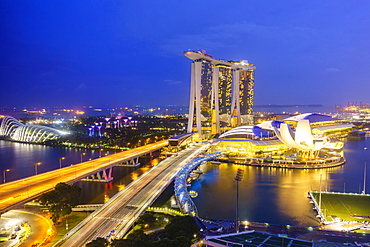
{"x":200,"y":54}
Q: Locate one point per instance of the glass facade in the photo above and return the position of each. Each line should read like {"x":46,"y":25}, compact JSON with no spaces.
{"x":246,"y":92}
{"x":206,"y":93}
{"x":225,"y":85}
{"x":215,"y":94}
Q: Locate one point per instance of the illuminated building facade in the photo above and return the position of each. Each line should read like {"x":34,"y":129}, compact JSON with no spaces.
{"x":221,"y":94}
{"x":304,"y":137}
{"x":14,"y":130}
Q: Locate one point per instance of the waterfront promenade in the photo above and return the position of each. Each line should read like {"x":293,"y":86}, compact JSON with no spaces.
{"x":121,"y":211}
{"x":23,"y":190}
{"x":325,"y":163}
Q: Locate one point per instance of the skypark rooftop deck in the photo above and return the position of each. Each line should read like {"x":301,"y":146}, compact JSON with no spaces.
{"x":195,"y":55}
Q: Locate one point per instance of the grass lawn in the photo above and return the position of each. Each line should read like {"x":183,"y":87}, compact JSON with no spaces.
{"x":73,"y":219}
{"x":347,"y":207}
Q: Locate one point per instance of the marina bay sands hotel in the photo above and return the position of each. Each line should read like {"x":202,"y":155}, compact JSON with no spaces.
{"x":221,"y":94}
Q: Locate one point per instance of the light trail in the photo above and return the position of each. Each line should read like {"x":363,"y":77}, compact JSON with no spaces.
{"x":19,"y":191}
{"x":122,"y":210}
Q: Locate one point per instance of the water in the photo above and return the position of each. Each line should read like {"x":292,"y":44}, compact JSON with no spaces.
{"x":21,"y":158}
{"x":277,"y":196}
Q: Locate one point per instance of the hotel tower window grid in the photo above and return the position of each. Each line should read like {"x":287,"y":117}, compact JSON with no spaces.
{"x":221,"y":93}
{"x":206,"y":93}
{"x":246,"y":92}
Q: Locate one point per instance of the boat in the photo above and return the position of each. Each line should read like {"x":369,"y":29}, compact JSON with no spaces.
{"x":215,"y":162}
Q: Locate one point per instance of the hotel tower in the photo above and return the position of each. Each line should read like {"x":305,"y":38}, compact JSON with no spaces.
{"x":221,"y":94}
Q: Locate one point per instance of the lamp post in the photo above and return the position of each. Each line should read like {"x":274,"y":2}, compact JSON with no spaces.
{"x":60,"y":162}
{"x":4,"y":174}
{"x":82,"y":155}
{"x":100,"y":152}
{"x":37,"y":164}
{"x":238,"y":178}
{"x":364,"y":191}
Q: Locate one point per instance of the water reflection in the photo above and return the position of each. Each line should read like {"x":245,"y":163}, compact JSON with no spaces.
{"x":277,"y":196}
{"x":271,"y":195}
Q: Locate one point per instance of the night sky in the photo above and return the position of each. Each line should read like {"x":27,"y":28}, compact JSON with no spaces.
{"x":118,"y":53}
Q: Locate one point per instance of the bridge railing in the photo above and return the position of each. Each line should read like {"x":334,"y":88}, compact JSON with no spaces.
{"x":183,"y":197}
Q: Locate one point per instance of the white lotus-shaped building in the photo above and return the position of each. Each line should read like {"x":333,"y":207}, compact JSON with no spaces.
{"x":302,"y":138}
{"x":305,"y":133}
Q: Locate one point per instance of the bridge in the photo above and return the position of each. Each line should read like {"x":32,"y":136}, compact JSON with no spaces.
{"x":122,"y":210}
{"x":22,"y":190}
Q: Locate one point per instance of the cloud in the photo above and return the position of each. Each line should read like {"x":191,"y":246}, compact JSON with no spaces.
{"x":172,"y":82}
{"x":225,"y":35}
{"x":81,"y":87}
{"x":184,"y":42}
{"x":332,"y":70}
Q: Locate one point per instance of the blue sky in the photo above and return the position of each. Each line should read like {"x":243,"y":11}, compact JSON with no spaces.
{"x":117,"y":53}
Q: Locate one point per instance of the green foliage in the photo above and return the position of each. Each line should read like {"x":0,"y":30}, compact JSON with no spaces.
{"x":99,"y":242}
{"x":147,"y":218}
{"x":123,"y":243}
{"x":61,"y":200}
{"x":182,"y":226}
{"x":179,"y":233}
{"x":139,"y":237}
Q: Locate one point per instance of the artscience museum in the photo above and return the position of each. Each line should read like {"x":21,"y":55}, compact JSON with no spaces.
{"x":306,"y":140}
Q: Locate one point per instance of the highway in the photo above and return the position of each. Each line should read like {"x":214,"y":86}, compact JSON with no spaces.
{"x":19,"y":191}
{"x":121,"y":211}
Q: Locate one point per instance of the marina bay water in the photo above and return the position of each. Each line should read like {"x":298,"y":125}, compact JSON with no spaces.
{"x":21,"y":160}
{"x":272,"y":195}
{"x":275,"y":195}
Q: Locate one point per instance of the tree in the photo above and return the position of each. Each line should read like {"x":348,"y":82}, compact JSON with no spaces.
{"x":61,"y":200}
{"x":123,"y":243}
{"x":99,"y":242}
{"x":146,"y":218}
{"x":139,"y":238}
{"x":182,"y":226}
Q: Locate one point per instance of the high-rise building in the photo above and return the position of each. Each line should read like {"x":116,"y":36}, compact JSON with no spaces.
{"x":221,"y":94}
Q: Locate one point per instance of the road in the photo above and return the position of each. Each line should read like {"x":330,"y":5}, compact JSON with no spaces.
{"x":23,"y":190}
{"x":122,"y":210}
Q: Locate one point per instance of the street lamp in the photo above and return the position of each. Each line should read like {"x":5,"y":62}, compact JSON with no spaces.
{"x":100,"y":152}
{"x":4,"y":174}
{"x":37,"y":164}
{"x":115,"y":150}
{"x":364,"y":191}
{"x":82,"y":155}
{"x":60,"y":162}
{"x":238,"y":178}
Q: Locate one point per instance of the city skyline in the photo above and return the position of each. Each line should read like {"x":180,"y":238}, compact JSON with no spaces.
{"x":122,"y":53}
